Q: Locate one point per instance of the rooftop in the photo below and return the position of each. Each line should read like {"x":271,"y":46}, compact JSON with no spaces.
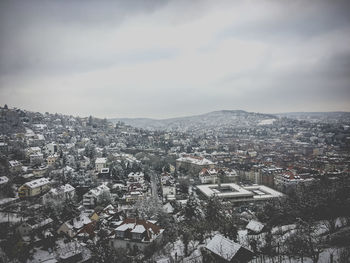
{"x":194,"y":160}
{"x":37,"y":182}
{"x":101,"y":160}
{"x":238,"y":193}
{"x":3,"y":180}
{"x":223,"y":247}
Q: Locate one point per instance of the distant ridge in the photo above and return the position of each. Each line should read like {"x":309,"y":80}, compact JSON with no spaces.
{"x":207,"y":121}
{"x":315,"y":115}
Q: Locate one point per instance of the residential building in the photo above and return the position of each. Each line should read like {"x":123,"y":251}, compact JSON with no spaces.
{"x":36,"y":158}
{"x":255,"y":227}
{"x":208,"y":176}
{"x":51,"y":159}
{"x":133,"y":196}
{"x":77,"y":225}
{"x":51,"y":148}
{"x":169,"y":192}
{"x":193,"y":164}
{"x":100,"y":163}
{"x":138,"y":233}
{"x":34,"y":188}
{"x":289,"y":179}
{"x":60,"y":193}
{"x":15,"y":166}
{"x":94,"y":196}
{"x":221,"y":249}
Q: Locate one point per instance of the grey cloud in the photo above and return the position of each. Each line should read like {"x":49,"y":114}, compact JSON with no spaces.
{"x":298,"y":20}
{"x":31,"y":33}
{"x":326,"y":83}
{"x":39,"y":63}
{"x":39,"y":53}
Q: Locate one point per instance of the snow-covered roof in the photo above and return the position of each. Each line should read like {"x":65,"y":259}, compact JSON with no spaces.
{"x":140,"y":226}
{"x":194,"y":160}
{"x":234,"y":191}
{"x":3,"y":180}
{"x":125,"y":227}
{"x":223,"y":247}
{"x":26,"y":176}
{"x":98,"y":190}
{"x":255,"y":226}
{"x":37,"y":183}
{"x":117,"y":186}
{"x":36,"y":154}
{"x":213,"y":189}
{"x":35,"y":149}
{"x":136,"y":175}
{"x":138,"y":229}
{"x":80,"y":221}
{"x":67,"y":188}
{"x":63,"y":188}
{"x":101,"y":160}
{"x":168,"y":208}
{"x":14,"y":163}
{"x":267,"y":192}
{"x":211,"y":171}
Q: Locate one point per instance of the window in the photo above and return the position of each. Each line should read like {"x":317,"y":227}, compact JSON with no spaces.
{"x":120,"y":233}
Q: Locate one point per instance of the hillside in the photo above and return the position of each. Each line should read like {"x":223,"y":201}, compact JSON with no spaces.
{"x":327,"y":117}
{"x":209,"y":121}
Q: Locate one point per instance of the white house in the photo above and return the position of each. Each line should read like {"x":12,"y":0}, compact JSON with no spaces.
{"x":138,"y":177}
{"x":94,"y":196}
{"x":61,"y":193}
{"x":51,"y":148}
{"x":100,"y":163}
{"x":169,"y":192}
{"x":15,"y":166}
{"x":208,"y":176}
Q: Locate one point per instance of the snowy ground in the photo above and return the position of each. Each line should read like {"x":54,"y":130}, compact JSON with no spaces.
{"x":279,"y":233}
{"x":42,"y":256}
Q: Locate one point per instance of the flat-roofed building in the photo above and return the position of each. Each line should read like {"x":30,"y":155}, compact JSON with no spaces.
{"x":34,"y":188}
{"x":237,"y":193}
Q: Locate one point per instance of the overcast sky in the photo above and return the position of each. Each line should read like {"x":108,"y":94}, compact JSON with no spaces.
{"x":174,"y":58}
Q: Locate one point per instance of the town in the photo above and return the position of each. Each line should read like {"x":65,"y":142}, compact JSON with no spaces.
{"x":227,"y":186}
